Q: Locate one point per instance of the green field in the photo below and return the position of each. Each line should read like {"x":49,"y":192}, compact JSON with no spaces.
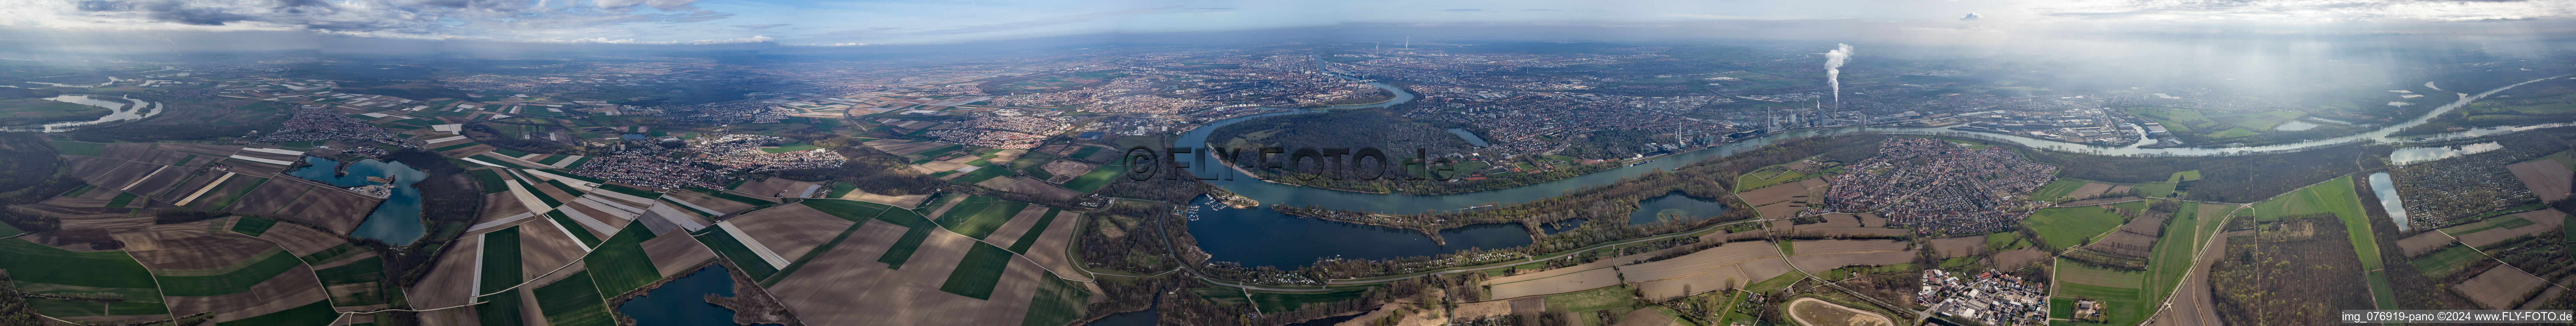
{"x":2448,"y":260}
{"x":573,"y":301}
{"x":2172,"y":256}
{"x":1098,"y":177}
{"x":2072,"y":226}
{"x":976,"y":275}
{"x":316,"y":314}
{"x":855,"y":211}
{"x":2184,"y":175}
{"x":619,"y":265}
{"x":28,"y":261}
{"x":491,"y":181}
{"x":229,"y":280}
{"x":500,"y":261}
{"x":2059,"y":188}
{"x":499,"y":310}
{"x":732,"y":249}
{"x":902,"y":249}
{"x":1764,"y":177}
{"x":2155,"y":189}
{"x":121,"y":199}
{"x":979,"y":216}
{"x":253,"y":226}
{"x":1058,"y":302}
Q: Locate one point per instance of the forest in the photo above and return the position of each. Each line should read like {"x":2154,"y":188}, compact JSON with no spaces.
{"x":30,"y":172}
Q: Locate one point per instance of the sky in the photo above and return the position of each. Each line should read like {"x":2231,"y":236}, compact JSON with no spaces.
{"x":872,"y":23}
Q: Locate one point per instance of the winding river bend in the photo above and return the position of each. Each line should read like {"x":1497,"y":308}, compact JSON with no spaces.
{"x":1278,"y":193}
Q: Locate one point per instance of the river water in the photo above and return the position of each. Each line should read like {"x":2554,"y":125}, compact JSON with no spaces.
{"x":1300,"y":244}
{"x":397,"y":221}
{"x":130,"y":109}
{"x":1260,"y":236}
{"x":2387,"y":191}
{"x":2411,"y":155}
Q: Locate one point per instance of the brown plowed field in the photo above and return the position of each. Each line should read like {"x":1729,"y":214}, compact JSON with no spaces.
{"x":1019,"y":224}
{"x":1958,"y":247}
{"x":1575,"y":281}
{"x":337,"y":210}
{"x":791,"y":230}
{"x":673,"y":253}
{"x":2542,"y":221}
{"x":543,"y":248}
{"x":299,"y":239}
{"x":451,"y":281}
{"x":189,"y":249}
{"x":1050,"y":252}
{"x":2547,"y":178}
{"x":2499,"y":287}
{"x":296,"y":287}
{"x":2422,"y":243}
{"x":273,"y":196}
{"x":2017,"y":258}
{"x":846,"y":286}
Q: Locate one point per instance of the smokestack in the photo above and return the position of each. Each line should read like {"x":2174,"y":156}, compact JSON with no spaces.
{"x":1834,"y":70}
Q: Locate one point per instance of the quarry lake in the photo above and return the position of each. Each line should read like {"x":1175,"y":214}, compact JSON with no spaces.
{"x":397,"y":221}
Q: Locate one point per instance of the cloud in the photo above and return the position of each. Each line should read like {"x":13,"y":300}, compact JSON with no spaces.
{"x":1971,"y":16}
{"x":1726,"y":17}
{"x":603,"y":40}
{"x":758,"y":26}
{"x":1050,"y":21}
{"x":487,"y":19}
{"x":2302,"y":10}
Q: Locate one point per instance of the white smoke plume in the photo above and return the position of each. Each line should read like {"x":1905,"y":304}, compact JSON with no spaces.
{"x":1834,"y":70}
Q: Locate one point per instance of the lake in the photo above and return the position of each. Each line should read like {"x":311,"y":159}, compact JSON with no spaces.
{"x":682,"y":302}
{"x":1675,"y":203}
{"x":2387,"y":191}
{"x":397,"y":221}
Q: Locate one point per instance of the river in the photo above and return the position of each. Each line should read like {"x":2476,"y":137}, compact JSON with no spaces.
{"x":1301,"y":240}
{"x":397,"y":221}
{"x":130,"y":109}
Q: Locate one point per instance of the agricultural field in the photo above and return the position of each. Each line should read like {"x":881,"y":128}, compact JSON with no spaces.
{"x":2072,"y":226}
{"x":979,"y":216}
{"x":619,"y":264}
{"x":975,"y":274}
{"x":2122,"y":290}
{"x":573,"y":301}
